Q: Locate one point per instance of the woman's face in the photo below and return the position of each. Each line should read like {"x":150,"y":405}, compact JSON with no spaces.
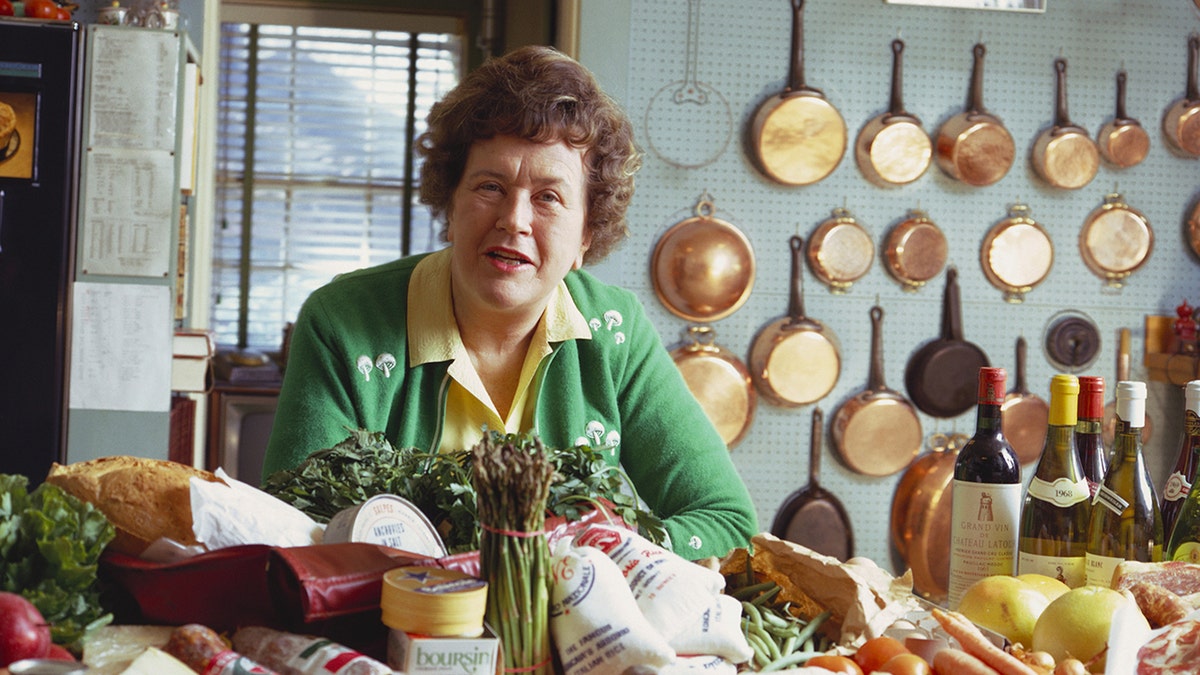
{"x":516,"y":224}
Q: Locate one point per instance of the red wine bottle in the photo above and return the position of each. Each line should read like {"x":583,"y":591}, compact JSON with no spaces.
{"x":1089,"y":431}
{"x":1180,"y":481}
{"x":986,"y":495}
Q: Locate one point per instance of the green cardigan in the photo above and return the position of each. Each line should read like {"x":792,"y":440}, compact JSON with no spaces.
{"x":621,"y":387}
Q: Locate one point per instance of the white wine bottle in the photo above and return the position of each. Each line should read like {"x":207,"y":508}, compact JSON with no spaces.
{"x":985,"y":503}
{"x":1054,"y":518}
{"x":1125,"y":523}
{"x":1180,"y":481}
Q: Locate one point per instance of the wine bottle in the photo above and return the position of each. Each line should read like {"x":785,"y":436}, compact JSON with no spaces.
{"x":1089,"y":432}
{"x":1125,"y":523}
{"x":985,"y":503}
{"x":1055,"y":514}
{"x":1184,"y":542}
{"x":1180,"y":481}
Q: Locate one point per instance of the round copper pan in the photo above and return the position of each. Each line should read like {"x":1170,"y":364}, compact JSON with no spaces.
{"x":893,"y":148}
{"x":1025,"y":416}
{"x":1016,"y":254}
{"x":1115,"y":241}
{"x":719,"y":381}
{"x":1181,"y":121}
{"x":973,"y":146}
{"x":840,"y":251}
{"x":915,"y":250}
{"x":1194,"y":227}
{"x":878,"y":431}
{"x":920,"y":517}
{"x":798,"y":136}
{"x":1064,"y":155}
{"x":703,"y":267}
{"x":1123,"y":141}
{"x":795,"y":359}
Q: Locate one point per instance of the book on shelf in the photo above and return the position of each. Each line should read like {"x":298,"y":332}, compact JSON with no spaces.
{"x":191,"y":365}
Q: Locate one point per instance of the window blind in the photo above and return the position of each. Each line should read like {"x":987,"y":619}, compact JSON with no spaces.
{"x":315,"y":170}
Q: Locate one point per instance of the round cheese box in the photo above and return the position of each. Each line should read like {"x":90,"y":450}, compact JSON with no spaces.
{"x":433,"y":601}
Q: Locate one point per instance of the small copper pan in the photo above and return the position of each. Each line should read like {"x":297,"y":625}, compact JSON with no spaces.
{"x":719,"y":381}
{"x":1025,"y":416}
{"x":1016,"y":254}
{"x":916,"y":250}
{"x":840,"y":251}
{"x":893,"y":148}
{"x":1123,"y":141}
{"x":1116,"y":240}
{"x":1064,"y":155}
{"x":878,"y":431}
{"x":1181,"y":121}
{"x":973,"y":146}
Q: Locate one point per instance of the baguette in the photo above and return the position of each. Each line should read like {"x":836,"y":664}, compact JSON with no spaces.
{"x":145,"y":499}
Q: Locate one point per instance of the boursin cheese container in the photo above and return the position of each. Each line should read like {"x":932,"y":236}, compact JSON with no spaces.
{"x":435,"y":617}
{"x":387,"y":520}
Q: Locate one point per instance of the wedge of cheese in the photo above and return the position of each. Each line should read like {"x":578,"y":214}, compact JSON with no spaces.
{"x":154,"y":661}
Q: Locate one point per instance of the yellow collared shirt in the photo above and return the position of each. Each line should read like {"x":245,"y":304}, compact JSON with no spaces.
{"x":433,"y":336}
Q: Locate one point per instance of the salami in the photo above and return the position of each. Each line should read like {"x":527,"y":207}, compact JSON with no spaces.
{"x":201,"y":649}
{"x":292,"y":654}
{"x":1177,"y":576}
{"x":1174,"y":651}
{"x":1159,"y":605}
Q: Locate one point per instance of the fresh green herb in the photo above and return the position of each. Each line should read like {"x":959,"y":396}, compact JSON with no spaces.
{"x":365,"y":464}
{"x":50,"y":546}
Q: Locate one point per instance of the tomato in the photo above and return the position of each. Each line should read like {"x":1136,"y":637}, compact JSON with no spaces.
{"x":838,"y":664}
{"x":63,"y":14}
{"x":41,"y":9}
{"x":906,"y":664}
{"x":6,"y":8}
{"x":875,"y":652}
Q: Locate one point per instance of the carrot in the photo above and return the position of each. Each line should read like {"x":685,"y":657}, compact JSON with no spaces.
{"x":974,"y":643}
{"x":957,"y":662}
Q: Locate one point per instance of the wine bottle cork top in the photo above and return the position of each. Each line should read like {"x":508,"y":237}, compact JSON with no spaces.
{"x":1064,"y":400}
{"x":1131,"y":402}
{"x":991,"y":385}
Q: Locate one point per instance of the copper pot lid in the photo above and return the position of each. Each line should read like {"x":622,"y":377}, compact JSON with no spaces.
{"x":703,"y":267}
{"x":840,"y":251}
{"x":915,"y":250}
{"x":719,"y":381}
{"x":1115,"y":241}
{"x":1016,"y":254}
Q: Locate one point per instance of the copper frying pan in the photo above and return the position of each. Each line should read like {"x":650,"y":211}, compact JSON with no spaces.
{"x":1064,"y":155}
{"x":812,"y":516}
{"x":920,"y":517}
{"x":795,"y":359}
{"x":973,"y":146}
{"x":893,"y":148}
{"x":1181,"y":121}
{"x":1123,"y":141}
{"x":1025,"y":416}
{"x":719,"y":381}
{"x":878,"y":431}
{"x":798,"y":136}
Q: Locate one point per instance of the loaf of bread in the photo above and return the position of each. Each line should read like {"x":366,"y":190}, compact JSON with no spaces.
{"x":145,"y":499}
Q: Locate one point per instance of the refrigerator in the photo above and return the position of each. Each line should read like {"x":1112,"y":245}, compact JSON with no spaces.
{"x":40,"y":93}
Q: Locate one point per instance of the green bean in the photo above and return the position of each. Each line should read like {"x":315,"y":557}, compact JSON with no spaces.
{"x":794,"y":659}
{"x":770,"y":616}
{"x":811,"y":628}
{"x":751,"y":612}
{"x":767,"y":595}
{"x":747,"y":592}
{"x":789,"y":644}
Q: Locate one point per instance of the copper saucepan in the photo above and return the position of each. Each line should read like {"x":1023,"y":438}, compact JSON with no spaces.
{"x":1017,"y":254}
{"x":878,"y":431}
{"x":1116,"y":240}
{"x":795,"y":359}
{"x":893,"y":148}
{"x":1123,"y":141}
{"x":915,"y":250}
{"x":1024,"y":416}
{"x":1181,"y":121}
{"x":703,"y":267}
{"x":973,"y":146}
{"x":799,"y":137}
{"x":719,"y":381}
{"x":1064,"y":155}
{"x":840,"y":251}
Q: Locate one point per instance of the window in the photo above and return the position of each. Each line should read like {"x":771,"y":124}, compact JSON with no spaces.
{"x":315,"y":170}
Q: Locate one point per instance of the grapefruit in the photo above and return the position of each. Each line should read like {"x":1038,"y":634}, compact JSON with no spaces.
{"x":1076,"y":625}
{"x":1006,"y":604}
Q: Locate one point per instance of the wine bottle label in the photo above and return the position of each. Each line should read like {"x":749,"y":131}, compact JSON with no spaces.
{"x":1176,"y":488}
{"x":1100,"y":569}
{"x":1062,"y":492}
{"x":1071,"y":570}
{"x":1110,"y":500}
{"x":1191,"y":423}
{"x":1189,"y":551}
{"x":984,"y":525}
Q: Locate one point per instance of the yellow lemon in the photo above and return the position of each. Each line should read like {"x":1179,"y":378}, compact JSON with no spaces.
{"x":1188,"y":552}
{"x":1005,"y":604}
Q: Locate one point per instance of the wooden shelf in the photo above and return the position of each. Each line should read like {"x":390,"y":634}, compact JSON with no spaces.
{"x":1165,"y":359}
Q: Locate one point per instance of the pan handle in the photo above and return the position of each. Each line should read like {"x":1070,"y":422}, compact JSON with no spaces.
{"x":814,"y":448}
{"x":897,"y":103}
{"x":951,"y":307}
{"x":796,"y":71}
{"x":975,"y":95}
{"x":796,"y":291}
{"x":1121,"y":117}
{"x":1193,"y":90}
{"x":1061,"y":119}
{"x":875,"y":381}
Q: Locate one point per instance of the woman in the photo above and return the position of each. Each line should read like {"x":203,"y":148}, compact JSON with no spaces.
{"x":531,"y":167}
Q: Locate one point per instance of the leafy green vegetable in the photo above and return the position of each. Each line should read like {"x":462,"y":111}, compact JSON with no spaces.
{"x":50,"y":546}
{"x":366,"y":464}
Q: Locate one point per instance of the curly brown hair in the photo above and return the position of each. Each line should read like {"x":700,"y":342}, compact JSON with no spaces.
{"x":540,"y":94}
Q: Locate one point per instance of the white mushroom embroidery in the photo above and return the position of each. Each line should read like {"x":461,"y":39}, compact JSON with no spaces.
{"x":695,"y":543}
{"x":385,"y":362}
{"x":612,"y":318}
{"x":364,"y":366}
{"x":594,"y":431}
{"x":595,"y":324}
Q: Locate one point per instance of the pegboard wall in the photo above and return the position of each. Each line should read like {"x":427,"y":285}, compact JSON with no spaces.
{"x":741,"y":52}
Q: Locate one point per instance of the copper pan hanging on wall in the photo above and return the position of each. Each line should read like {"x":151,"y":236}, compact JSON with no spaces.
{"x":893,"y":148}
{"x":703,"y":267}
{"x":1116,"y":240}
{"x":840,"y":251}
{"x":1181,"y":121}
{"x":719,"y":381}
{"x":1016,"y":254}
{"x":1064,"y":155}
{"x":1123,"y":141}
{"x":915,"y":250}
{"x":973,"y":146}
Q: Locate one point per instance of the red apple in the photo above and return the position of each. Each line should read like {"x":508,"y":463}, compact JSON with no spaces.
{"x":59,"y":653}
{"x":24,"y":634}
{"x":6,"y":8}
